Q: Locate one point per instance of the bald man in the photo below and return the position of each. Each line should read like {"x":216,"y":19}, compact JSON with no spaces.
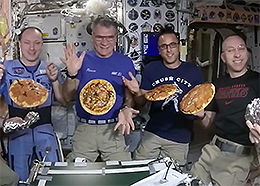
{"x":227,"y":159}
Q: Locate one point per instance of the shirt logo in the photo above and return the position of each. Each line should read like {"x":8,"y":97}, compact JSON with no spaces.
{"x":116,"y":73}
{"x":18,"y":70}
{"x":228,"y":102}
{"x":42,"y":71}
{"x":90,"y":70}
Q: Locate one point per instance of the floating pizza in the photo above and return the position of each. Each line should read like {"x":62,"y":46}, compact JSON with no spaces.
{"x":27,"y":93}
{"x":161,"y":92}
{"x":97,"y":97}
{"x":197,"y":98}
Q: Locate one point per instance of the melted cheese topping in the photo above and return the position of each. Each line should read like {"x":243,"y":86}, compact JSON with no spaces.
{"x":97,"y":97}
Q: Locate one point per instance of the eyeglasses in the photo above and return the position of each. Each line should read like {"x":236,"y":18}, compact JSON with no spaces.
{"x":108,"y":38}
{"x":171,"y":45}
{"x":232,"y":50}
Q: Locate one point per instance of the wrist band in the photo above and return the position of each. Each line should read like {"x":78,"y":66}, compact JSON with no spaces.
{"x":70,"y":76}
{"x":123,"y":107}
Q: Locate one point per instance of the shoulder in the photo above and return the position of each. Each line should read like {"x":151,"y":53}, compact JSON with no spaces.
{"x":154,"y":64}
{"x":121,"y":56}
{"x":189,"y":65}
{"x":254,"y":73}
{"x":10,"y":63}
{"x":222,"y":79}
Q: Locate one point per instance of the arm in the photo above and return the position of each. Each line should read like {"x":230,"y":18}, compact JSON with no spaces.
{"x":125,"y":114}
{"x":73,"y":64}
{"x":206,"y":118}
{"x":133,"y":87}
{"x":2,"y":68}
{"x":52,"y":73}
{"x":69,"y":88}
{"x":254,"y":133}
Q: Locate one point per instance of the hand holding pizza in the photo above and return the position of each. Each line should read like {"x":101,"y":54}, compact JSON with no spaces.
{"x":132,"y":84}
{"x":200,"y":114}
{"x":2,"y":68}
{"x":125,"y":120}
{"x":254,"y":134}
{"x":72,"y":61}
{"x":52,"y":72}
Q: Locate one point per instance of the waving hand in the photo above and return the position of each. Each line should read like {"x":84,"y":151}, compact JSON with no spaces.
{"x":72,"y":61}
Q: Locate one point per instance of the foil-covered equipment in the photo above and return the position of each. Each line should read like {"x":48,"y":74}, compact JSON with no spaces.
{"x":253,"y":111}
{"x":29,"y":119}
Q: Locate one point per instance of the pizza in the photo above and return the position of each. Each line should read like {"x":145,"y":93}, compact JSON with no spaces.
{"x":161,"y":92}
{"x":27,"y":93}
{"x":97,"y":97}
{"x":197,"y":98}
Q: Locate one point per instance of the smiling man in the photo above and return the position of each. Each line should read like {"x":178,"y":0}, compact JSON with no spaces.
{"x":98,"y":74}
{"x":22,"y":144}
{"x":227,"y":159}
{"x":169,"y":131}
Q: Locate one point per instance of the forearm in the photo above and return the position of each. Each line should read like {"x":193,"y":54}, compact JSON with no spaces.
{"x":57,"y":89}
{"x":139,"y":98}
{"x":129,"y":100}
{"x":69,"y":88}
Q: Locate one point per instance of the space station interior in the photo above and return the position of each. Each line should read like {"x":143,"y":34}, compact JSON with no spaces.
{"x":200,"y":25}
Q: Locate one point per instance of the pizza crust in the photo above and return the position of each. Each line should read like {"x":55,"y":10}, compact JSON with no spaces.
{"x":27,"y":93}
{"x":161,"y":92}
{"x":97,"y":97}
{"x":197,"y":98}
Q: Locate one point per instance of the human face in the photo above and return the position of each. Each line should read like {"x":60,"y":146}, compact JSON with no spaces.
{"x":235,"y":55}
{"x":30,"y":46}
{"x":168,"y":46}
{"x":104,"y":39}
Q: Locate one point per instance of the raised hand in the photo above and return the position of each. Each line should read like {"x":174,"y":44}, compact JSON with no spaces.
{"x":52,"y":72}
{"x":72,"y":61}
{"x":125,"y":120}
{"x":2,"y":69}
{"x":131,"y":84}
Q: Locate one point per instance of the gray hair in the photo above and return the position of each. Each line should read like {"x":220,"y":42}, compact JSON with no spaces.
{"x":105,"y":21}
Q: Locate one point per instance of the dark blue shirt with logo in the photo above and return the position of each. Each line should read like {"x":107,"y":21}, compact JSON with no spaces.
{"x":169,"y":122}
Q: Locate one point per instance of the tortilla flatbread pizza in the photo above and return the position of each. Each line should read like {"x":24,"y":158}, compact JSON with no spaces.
{"x":97,"y":97}
{"x":161,"y":92}
{"x":27,"y":93}
{"x":197,"y":98}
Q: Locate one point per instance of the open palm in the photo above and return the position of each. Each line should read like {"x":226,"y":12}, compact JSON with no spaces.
{"x":72,"y":61}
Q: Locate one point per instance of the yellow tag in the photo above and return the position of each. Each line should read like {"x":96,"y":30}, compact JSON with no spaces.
{"x":184,"y":50}
{"x":3,"y":26}
{"x":45,"y":34}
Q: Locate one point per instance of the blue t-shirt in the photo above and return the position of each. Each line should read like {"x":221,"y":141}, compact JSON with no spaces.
{"x":169,"y":122}
{"x":110,"y":69}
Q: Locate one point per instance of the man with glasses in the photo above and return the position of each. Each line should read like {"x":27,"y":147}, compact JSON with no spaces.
{"x":169,"y":131}
{"x":227,"y":159}
{"x":97,"y":134}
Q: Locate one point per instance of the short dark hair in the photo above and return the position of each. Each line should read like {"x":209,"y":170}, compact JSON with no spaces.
{"x":27,"y":28}
{"x":104,"y":21}
{"x":169,"y":31}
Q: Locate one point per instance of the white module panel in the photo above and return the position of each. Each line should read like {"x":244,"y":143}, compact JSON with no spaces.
{"x":50,"y":24}
{"x":77,"y":34}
